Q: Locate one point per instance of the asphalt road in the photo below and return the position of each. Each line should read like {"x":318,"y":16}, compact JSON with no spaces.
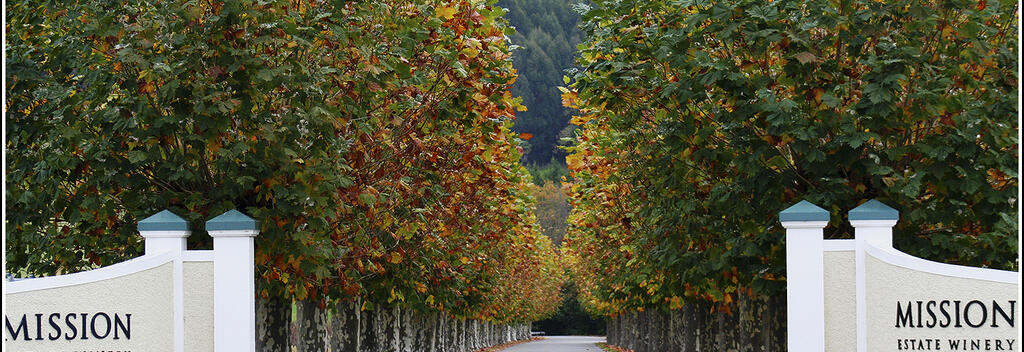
{"x":559,"y":344}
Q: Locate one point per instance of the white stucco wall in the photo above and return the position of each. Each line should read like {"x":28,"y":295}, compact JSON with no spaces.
{"x":198,"y":297}
{"x":840,"y":301}
{"x":146,"y":295}
{"x":888,"y":284}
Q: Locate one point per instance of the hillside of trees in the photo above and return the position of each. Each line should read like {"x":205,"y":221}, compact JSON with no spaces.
{"x":547,"y":34}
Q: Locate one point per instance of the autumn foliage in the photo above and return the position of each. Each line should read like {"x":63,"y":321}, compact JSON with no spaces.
{"x":371,"y":139}
{"x":552,"y":209}
{"x":700,"y":121}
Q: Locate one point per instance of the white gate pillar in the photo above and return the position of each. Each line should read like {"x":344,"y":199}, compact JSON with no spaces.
{"x":167,"y":232}
{"x":872,"y":224}
{"x":164,"y":232}
{"x":234,"y":301}
{"x":805,"y":276}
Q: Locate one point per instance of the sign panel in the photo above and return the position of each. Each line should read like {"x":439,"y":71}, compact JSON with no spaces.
{"x":915,"y":310}
{"x":877,"y":298}
{"x":130,"y":313}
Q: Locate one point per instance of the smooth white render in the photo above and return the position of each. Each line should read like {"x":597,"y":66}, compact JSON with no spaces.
{"x":805,"y":285}
{"x":104,"y":273}
{"x":877,"y":233}
{"x":895,"y":257}
{"x":234,"y":300}
{"x":840,"y":245}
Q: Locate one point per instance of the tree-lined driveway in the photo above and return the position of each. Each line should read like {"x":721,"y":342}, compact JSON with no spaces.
{"x":560,"y":344}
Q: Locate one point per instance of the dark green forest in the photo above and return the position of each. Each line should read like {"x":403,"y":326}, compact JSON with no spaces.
{"x":547,"y":37}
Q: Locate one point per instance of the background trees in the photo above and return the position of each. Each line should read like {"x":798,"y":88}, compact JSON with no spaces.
{"x":552,"y":209}
{"x":701,"y":120}
{"x":371,"y":139}
{"x":547,"y":36}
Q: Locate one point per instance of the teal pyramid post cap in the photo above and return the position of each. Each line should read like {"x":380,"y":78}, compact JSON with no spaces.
{"x":232,"y":220}
{"x":874,"y":210}
{"x":163,"y":221}
{"x":804,"y":211}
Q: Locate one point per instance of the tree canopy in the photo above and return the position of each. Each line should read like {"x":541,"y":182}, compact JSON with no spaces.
{"x":372,"y":140}
{"x":701,"y":120}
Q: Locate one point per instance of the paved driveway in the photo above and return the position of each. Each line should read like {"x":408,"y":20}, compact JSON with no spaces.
{"x":559,"y":344}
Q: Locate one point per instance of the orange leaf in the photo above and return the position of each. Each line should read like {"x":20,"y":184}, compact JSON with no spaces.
{"x":526,"y":136}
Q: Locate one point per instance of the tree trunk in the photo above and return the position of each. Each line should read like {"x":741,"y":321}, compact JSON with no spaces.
{"x":691,"y":337}
{"x":368,"y":338}
{"x":674,"y":330}
{"x":408,"y":326}
{"x":385,"y":327}
{"x":311,"y":328}
{"x":775,"y":323}
{"x":463,"y":329}
{"x":344,"y":335}
{"x":612,"y":331}
{"x":394,"y":329}
{"x":475,"y":340}
{"x":423,"y":325}
{"x":657,"y":331}
{"x":609,"y":331}
{"x":628,"y":323}
{"x":273,"y":319}
{"x":644,"y":335}
{"x":437,"y":337}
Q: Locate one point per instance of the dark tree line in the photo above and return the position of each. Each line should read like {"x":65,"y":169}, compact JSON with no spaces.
{"x":547,"y":35}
